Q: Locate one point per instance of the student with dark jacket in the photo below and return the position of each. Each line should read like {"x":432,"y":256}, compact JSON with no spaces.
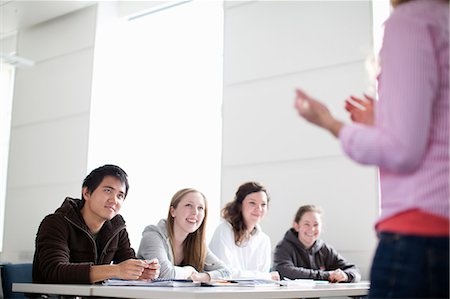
{"x":85,"y":240}
{"x":301,"y":254}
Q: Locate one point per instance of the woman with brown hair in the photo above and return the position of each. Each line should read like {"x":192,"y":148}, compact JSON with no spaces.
{"x":239,"y":241}
{"x":178,"y":242}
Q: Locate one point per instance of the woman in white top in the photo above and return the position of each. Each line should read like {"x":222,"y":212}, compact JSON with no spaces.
{"x":179,"y":242}
{"x":239,"y":241}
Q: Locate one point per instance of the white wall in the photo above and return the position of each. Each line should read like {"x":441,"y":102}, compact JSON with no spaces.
{"x":50,"y":123}
{"x":272,"y":47}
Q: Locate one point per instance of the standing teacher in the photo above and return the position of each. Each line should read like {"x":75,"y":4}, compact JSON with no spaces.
{"x":407,"y":136}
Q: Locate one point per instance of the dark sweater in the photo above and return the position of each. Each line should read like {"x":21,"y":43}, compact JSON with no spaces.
{"x":65,"y":249}
{"x":293,"y":260}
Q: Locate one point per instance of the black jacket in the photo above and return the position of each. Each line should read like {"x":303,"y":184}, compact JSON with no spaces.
{"x":65,"y":250}
{"x":293,"y":260}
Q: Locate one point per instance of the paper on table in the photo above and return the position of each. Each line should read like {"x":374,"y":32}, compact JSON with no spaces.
{"x":159,"y":282}
{"x":302,"y":282}
{"x":241,"y":283}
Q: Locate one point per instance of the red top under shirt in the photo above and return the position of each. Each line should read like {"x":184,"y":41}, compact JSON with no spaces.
{"x":415,"y":222}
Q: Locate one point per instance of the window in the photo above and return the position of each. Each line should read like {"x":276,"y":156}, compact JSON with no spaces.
{"x":156,"y":109}
{"x":381,"y":10}
{"x":6,"y":91}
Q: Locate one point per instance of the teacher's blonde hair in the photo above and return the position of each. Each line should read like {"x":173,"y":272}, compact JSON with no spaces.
{"x":394,"y":3}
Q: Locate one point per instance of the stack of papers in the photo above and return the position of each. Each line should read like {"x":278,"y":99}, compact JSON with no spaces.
{"x":301,"y":282}
{"x":159,"y":282}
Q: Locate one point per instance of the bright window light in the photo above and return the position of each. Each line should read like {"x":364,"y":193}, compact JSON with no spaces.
{"x":381,"y":11}
{"x":157,"y":110}
{"x":6,"y":89}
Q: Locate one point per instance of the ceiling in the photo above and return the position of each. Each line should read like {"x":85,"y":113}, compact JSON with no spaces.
{"x":19,"y":14}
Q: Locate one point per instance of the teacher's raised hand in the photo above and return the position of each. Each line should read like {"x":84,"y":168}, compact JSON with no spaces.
{"x":316,"y":112}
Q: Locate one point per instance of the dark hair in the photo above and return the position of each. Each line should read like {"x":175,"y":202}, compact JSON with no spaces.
{"x":194,"y":246}
{"x":232,"y":212}
{"x":93,"y":180}
{"x":305,"y":209}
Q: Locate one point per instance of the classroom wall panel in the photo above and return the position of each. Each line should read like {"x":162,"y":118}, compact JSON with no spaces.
{"x":32,"y":203}
{"x":228,"y":4}
{"x":48,"y":152}
{"x":8,"y":44}
{"x":261,"y":124}
{"x":69,"y":78}
{"x":59,"y":36}
{"x":272,"y":38}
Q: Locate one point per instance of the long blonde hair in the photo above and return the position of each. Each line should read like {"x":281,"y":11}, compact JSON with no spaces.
{"x":194,"y":246}
{"x":394,"y":3}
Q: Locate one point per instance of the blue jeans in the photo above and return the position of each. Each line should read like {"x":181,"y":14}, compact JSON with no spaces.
{"x":410,"y":267}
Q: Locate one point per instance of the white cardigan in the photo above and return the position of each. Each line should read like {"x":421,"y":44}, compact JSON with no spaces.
{"x":252,"y":259}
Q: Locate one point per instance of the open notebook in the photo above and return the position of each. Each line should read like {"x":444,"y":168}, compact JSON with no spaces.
{"x":159,"y":282}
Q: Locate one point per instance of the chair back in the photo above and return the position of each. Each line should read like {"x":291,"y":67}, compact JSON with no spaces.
{"x":14,"y":273}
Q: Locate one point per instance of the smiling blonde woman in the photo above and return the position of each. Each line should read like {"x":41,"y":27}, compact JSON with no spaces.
{"x":178,"y":242}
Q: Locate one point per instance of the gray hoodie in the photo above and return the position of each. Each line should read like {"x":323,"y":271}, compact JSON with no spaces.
{"x":293,"y":260}
{"x":155,"y":244}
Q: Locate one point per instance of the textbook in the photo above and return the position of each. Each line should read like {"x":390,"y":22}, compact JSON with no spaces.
{"x":159,"y":282}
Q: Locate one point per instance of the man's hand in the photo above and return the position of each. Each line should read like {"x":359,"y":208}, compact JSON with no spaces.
{"x":152,"y":269}
{"x":131,"y":269}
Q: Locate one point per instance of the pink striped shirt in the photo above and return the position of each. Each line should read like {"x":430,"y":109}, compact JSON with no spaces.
{"x":410,"y":140}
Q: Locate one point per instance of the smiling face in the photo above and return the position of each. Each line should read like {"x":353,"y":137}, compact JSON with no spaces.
{"x":308,"y":227}
{"x":105,"y":201}
{"x":189,"y":213}
{"x":254,"y":208}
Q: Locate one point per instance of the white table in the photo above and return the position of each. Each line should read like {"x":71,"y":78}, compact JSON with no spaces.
{"x":59,"y":289}
{"x":326,"y":290}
